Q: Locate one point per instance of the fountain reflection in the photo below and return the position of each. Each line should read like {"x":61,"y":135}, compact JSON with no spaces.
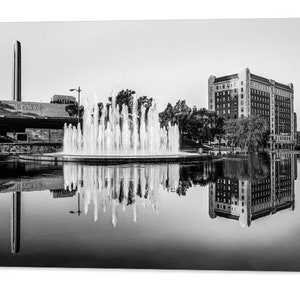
{"x":120,"y":187}
{"x":269,"y":189}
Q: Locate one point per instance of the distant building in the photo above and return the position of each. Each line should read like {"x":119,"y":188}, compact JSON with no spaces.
{"x":243,"y":94}
{"x":63,"y":99}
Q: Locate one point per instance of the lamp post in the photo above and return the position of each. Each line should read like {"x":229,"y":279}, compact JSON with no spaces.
{"x":78,"y":90}
{"x":78,"y":212}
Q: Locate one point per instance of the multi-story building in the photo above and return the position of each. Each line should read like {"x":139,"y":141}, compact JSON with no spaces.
{"x":243,"y":94}
{"x":246,"y":200}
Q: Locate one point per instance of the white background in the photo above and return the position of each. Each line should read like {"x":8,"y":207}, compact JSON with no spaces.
{"x":17,"y":283}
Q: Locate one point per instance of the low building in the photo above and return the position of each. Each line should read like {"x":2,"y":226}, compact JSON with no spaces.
{"x":33,"y":121}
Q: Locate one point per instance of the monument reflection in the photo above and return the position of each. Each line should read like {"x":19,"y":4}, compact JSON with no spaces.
{"x":245,"y":198}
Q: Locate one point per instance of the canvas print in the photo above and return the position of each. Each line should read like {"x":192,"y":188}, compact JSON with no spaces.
{"x":150,"y":144}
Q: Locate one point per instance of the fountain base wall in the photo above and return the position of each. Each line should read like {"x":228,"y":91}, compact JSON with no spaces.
{"x":117,"y":159}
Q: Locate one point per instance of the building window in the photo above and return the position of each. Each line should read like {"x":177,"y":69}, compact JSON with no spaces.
{"x":242,"y":83}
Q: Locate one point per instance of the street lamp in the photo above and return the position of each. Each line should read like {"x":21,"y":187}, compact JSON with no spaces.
{"x":78,"y":212}
{"x":78,"y":90}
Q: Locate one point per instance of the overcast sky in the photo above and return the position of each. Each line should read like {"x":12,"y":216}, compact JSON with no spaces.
{"x":166,"y":60}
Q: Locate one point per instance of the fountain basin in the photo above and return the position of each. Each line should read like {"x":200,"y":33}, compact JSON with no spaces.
{"x":118,"y":159}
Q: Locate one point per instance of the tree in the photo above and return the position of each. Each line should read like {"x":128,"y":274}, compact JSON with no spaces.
{"x":196,"y":125}
{"x":126,"y":97}
{"x":72,"y":110}
{"x":168,"y":116}
{"x":232,"y":131}
{"x":179,"y":114}
{"x":249,"y":133}
{"x":218,"y":128}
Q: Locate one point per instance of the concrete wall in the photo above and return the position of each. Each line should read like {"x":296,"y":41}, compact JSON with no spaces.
{"x":22,"y":148}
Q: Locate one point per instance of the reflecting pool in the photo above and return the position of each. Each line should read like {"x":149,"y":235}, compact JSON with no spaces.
{"x":233,"y":214}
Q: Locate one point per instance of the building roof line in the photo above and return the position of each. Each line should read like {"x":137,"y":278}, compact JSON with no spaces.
{"x":226,"y":78}
{"x":269,"y":81}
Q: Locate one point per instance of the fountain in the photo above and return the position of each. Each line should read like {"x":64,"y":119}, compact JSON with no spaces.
{"x":120,"y":130}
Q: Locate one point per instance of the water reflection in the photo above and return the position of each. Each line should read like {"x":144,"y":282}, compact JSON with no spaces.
{"x":242,"y":190}
{"x":119,"y":187}
{"x":132,"y":186}
{"x":264,"y":192}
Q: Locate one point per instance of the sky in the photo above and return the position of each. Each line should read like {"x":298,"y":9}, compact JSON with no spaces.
{"x":166,"y":60}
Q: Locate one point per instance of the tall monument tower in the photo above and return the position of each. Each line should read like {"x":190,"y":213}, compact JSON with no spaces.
{"x":16,"y":84}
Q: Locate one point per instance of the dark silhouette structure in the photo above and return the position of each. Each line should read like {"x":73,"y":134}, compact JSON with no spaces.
{"x":16,"y":85}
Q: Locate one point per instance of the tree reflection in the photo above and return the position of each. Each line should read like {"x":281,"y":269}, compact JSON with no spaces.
{"x":254,"y":167}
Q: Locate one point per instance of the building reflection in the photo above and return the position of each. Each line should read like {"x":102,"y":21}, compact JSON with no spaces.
{"x":270,"y":189}
{"x":62,"y":193}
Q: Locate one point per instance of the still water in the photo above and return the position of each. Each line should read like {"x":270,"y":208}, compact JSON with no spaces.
{"x":228,"y":214}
